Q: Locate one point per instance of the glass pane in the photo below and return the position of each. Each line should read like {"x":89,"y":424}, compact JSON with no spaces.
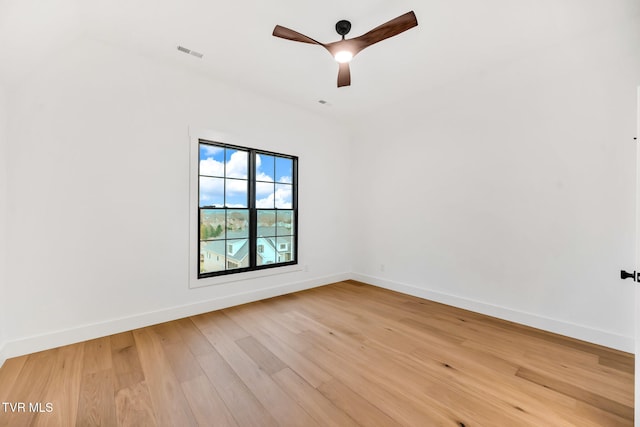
{"x":211,"y":192}
{"x":212,"y":256}
{"x":237,"y":224}
{"x":266,"y":250}
{"x":237,"y":193}
{"x":284,"y":170}
{"x":284,"y":196}
{"x":237,"y":253}
{"x":266,"y":223}
{"x":265,"y":195}
{"x":237,"y":163}
{"x":211,"y":160}
{"x":284,"y":246}
{"x":212,"y":224}
{"x":265,"y":167}
{"x":285,"y":223}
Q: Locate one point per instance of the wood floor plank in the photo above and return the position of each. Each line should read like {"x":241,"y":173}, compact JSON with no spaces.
{"x":125,"y":361}
{"x":9,"y":375}
{"x":341,"y":354}
{"x":63,"y":389}
{"x":570,"y":389}
{"x":584,"y":376}
{"x":97,"y":355}
{"x":598,"y":417}
{"x":620,"y":362}
{"x":207,"y":406}
{"x":265,"y":359}
{"x":501,"y":387}
{"x":217,"y":320}
{"x":391,"y":401}
{"x":314,"y":402}
{"x":193,"y":337}
{"x":134,"y":407}
{"x":183,"y":362}
{"x":427,"y":390}
{"x":167,"y":333}
{"x":122,"y":340}
{"x":30,"y":387}
{"x":355,"y":405}
{"x":132,"y":397}
{"x":97,"y":405}
{"x":275,"y":326}
{"x":283,"y":409}
{"x":169,"y":403}
{"x":311,"y":372}
{"x":244,"y":405}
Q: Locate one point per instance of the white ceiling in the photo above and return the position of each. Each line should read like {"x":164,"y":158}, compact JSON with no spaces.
{"x":454,"y":39}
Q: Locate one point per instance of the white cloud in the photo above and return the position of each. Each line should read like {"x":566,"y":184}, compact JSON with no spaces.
{"x":280,"y":199}
{"x":263,"y":189}
{"x":211,"y":184}
{"x":211,"y":167}
{"x":237,"y":165}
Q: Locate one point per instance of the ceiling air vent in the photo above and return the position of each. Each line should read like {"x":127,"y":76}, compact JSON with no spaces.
{"x":190,"y":52}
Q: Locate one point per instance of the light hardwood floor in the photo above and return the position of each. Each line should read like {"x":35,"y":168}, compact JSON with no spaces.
{"x":340,"y":355}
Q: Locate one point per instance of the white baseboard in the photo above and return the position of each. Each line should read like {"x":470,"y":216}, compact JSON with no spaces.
{"x":90,"y":331}
{"x":3,"y":356}
{"x":584,"y":333}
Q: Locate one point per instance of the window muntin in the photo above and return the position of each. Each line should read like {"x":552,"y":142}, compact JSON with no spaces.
{"x":247,"y":209}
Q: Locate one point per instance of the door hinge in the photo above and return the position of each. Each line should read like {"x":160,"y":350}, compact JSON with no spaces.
{"x":626,"y":275}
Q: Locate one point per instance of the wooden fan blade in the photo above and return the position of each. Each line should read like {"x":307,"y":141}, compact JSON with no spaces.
{"x":286,"y":33}
{"x":389,"y":29}
{"x":344,"y":75}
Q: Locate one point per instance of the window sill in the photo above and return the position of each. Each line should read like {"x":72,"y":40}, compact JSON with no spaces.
{"x":195,"y":283}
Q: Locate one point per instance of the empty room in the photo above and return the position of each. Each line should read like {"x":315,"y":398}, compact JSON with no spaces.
{"x":333,"y":213}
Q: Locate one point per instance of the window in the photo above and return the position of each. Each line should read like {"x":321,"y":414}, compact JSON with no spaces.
{"x":247,"y":209}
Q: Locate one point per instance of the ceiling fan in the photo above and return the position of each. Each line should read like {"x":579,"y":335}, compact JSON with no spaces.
{"x":344,"y":50}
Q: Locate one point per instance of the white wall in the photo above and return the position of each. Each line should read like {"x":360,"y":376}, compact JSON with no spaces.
{"x":99,"y":150}
{"x":511,"y":192}
{"x":3,"y":221}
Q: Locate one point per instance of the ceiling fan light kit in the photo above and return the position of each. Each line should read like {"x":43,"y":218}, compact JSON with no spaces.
{"x":343,"y":56}
{"x":344,"y":50}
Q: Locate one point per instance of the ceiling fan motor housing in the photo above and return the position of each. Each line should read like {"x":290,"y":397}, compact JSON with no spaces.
{"x":343,"y":27}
